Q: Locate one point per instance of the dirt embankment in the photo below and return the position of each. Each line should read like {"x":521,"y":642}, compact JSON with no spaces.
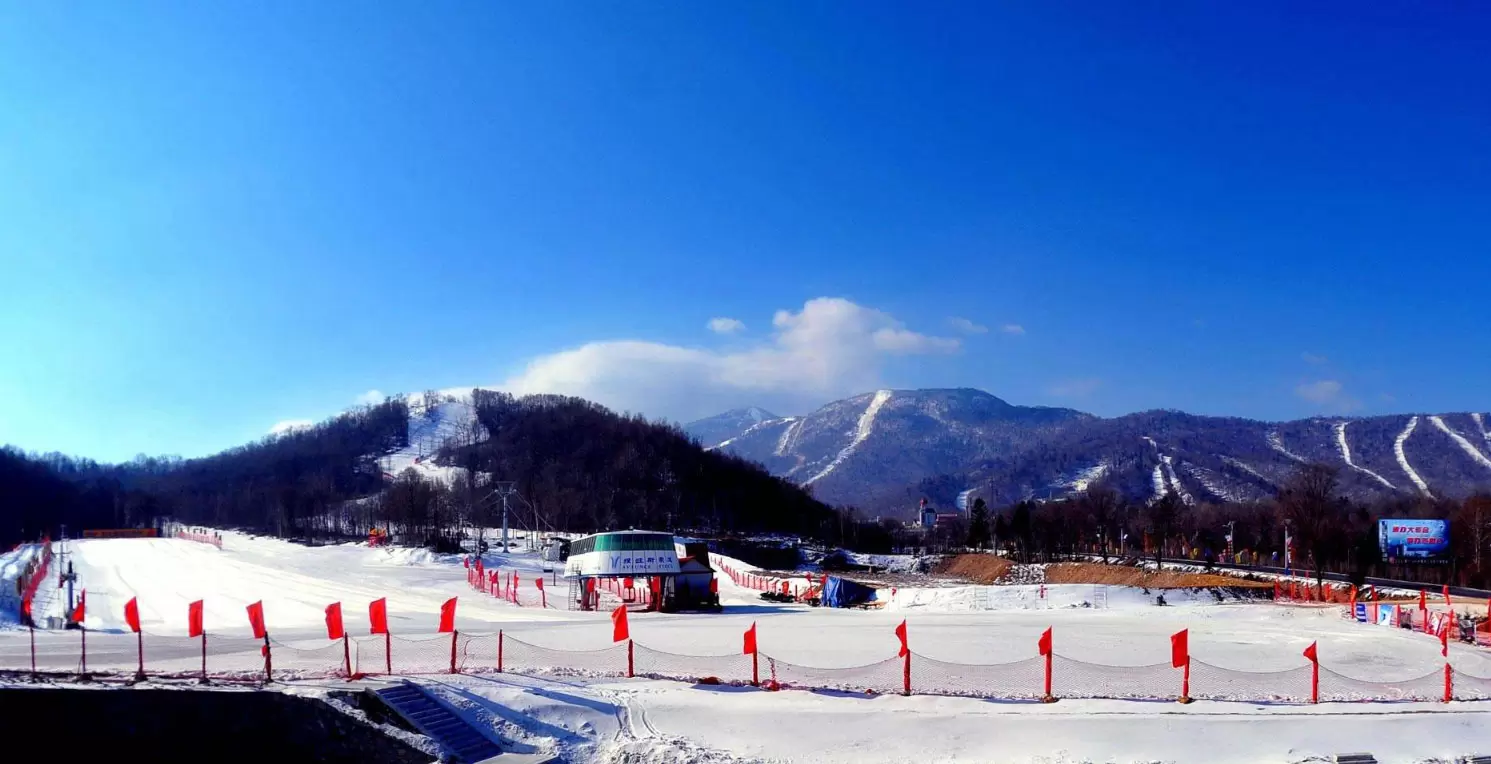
{"x":977,"y":568}
{"x":989,"y":569}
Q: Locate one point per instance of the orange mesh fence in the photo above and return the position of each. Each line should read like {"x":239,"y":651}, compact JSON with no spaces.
{"x":1020,"y":679}
{"x":883,"y":677}
{"x":734,"y":668}
{"x":1076,"y":679}
{"x":1210,"y":682}
{"x":526,"y":657}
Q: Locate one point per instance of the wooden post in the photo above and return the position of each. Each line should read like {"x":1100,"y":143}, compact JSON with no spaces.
{"x":33,"y":649}
{"x":268,"y":661}
{"x":906,"y":675}
{"x":629,"y":662}
{"x":500,"y":640}
{"x":755,"y":669}
{"x":387,"y":653}
{"x":84,"y":633}
{"x":453,"y":635}
{"x":204,"y":657}
{"x":346,"y":656}
{"x":140,"y":641}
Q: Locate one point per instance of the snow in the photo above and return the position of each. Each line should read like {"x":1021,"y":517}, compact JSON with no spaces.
{"x":1158,"y":480}
{"x":1403,"y":457}
{"x":1346,"y":455}
{"x":432,"y":425}
{"x":590,"y":721}
{"x":1212,"y":483}
{"x":1245,"y":468}
{"x":1088,"y":476}
{"x":1481,"y":423}
{"x":1277,"y":444}
{"x":1164,"y":478}
{"x":861,"y":431}
{"x":1465,"y":445}
{"x":789,"y":435}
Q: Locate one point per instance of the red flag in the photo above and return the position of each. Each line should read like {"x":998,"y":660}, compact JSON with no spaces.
{"x":448,"y":616}
{"x":466,"y":561}
{"x":194,"y":619}
{"x":132,"y":614}
{"x":81,"y":611}
{"x":619,"y":631}
{"x":750,"y":640}
{"x":901,"y":635}
{"x":1312,"y":653}
{"x":26,"y":608}
{"x":1045,"y":644}
{"x":627,"y":582}
{"x":1444,"y":639}
{"x":256,"y":619}
{"x":1180,"y":648}
{"x":1447,"y":602}
{"x":334,"y":621}
{"x":378,"y":616}
{"x":540,"y":582}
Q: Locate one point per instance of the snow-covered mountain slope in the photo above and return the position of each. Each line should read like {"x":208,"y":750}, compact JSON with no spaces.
{"x":712,"y":431}
{"x":938,"y":443}
{"x":435,"y":421}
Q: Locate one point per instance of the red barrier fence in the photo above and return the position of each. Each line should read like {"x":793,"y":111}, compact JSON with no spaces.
{"x":243,"y":659}
{"x":32,"y":582}
{"x":202,"y":536}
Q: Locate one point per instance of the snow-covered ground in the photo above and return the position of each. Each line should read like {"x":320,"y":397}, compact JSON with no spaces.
{"x":641,"y":720}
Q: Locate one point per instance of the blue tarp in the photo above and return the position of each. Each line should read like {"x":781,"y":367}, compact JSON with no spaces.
{"x":838,"y":592}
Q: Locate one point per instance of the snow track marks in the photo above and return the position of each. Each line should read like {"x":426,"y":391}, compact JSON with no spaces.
{"x":1346,"y":455}
{"x":1403,"y":457}
{"x":861,"y":431}
{"x":1465,"y":445}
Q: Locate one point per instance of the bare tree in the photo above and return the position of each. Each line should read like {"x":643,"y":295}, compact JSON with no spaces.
{"x":1163,"y":514}
{"x":1314,"y":514}
{"x":1101,"y":504}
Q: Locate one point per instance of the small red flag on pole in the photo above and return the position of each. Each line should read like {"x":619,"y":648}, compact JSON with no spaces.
{"x":1447,"y":601}
{"x":132,"y":614}
{"x":334,"y":621}
{"x":1180,"y":648}
{"x":448,"y":616}
{"x":750,"y":640}
{"x":256,"y":619}
{"x":378,"y":616}
{"x":194,"y":619}
{"x":619,"y":630}
{"x":81,"y":611}
{"x":1313,"y":654}
{"x":1423,"y":600}
{"x":1044,"y":645}
{"x":901,"y":635}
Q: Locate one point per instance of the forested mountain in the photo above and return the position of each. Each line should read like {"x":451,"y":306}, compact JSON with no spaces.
{"x":421,"y":465}
{"x":883,"y":451}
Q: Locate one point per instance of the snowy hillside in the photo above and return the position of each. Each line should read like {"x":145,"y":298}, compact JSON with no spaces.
{"x":883,"y":450}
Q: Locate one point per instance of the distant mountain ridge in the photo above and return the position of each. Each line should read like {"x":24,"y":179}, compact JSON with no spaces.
{"x":882,"y":450}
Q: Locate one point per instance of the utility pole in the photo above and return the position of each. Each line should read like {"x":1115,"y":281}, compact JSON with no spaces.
{"x":503,"y":491}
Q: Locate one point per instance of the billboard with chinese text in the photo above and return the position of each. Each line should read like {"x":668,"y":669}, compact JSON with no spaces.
{"x":1414,"y":540}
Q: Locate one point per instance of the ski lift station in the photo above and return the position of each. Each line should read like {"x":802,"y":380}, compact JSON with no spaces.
{"x":672,"y":576}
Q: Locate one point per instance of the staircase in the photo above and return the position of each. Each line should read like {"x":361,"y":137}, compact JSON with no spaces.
{"x":432,"y":717}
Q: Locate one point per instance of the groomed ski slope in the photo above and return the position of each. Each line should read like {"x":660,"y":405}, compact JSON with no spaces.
{"x":861,"y":431}
{"x":1403,"y":456}
{"x":1465,"y":445}
{"x":594,"y":721}
{"x":1346,"y":456}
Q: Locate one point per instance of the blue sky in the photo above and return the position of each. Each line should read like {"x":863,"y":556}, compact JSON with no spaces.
{"x":218,"y":217}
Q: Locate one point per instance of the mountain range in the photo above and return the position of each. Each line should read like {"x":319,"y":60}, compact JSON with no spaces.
{"x":882,"y":451}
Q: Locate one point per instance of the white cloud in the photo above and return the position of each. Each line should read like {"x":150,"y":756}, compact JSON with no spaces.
{"x":966,"y":326}
{"x":1076,"y":388}
{"x":1012,"y":329}
{"x":371,"y":397}
{"x":290,"y":425}
{"x":721,"y":325}
{"x":830,"y":348}
{"x":1321,"y":391}
{"x":1314,"y":359}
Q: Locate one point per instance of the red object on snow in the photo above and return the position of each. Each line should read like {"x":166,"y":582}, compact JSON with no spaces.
{"x":619,"y":630}
{"x":901,"y":635}
{"x":194,"y":619}
{"x":378,"y":616}
{"x":256,"y":619}
{"x":132,"y":614}
{"x":81,"y":611}
{"x":1180,"y":648}
{"x":334,"y":621}
{"x":750,"y":640}
{"x":1044,"y":645}
{"x":448,"y":616}
{"x":1312,"y":653}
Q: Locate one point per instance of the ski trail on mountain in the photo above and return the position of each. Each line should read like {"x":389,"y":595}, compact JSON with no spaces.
{"x":861,"y":431}
{"x":1465,"y":445}
{"x":788,"y":434}
{"x":1403,"y":457}
{"x":1164,"y":477}
{"x":1346,"y":455}
{"x":1481,"y":423}
{"x":1277,"y":444}
{"x":1245,"y":468}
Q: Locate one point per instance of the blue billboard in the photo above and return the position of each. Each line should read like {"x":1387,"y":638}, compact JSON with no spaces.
{"x":1414,"y":540}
